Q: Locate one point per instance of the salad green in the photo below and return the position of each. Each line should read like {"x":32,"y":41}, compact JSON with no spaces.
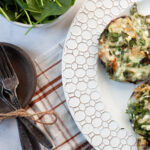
{"x":34,"y":12}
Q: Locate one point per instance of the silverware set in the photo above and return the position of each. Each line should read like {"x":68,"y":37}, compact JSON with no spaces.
{"x":30,"y":135}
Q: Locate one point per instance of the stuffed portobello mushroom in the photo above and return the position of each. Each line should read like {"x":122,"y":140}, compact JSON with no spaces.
{"x":124,"y":47}
{"x":139,"y":114}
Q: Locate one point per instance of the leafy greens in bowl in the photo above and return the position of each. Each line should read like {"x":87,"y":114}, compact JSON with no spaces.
{"x":34,"y":12}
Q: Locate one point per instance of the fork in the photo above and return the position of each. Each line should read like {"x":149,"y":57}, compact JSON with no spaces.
{"x":10,"y":83}
{"x":27,"y":142}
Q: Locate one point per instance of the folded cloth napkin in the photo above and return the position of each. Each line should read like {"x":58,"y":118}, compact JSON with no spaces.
{"x":49,"y":96}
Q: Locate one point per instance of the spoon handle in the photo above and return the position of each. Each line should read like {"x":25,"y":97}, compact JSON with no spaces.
{"x":35,"y":144}
{"x":25,"y":141}
{"x":24,"y":138}
{"x":28,"y":142}
{"x":36,"y":132}
{"x":30,"y":126}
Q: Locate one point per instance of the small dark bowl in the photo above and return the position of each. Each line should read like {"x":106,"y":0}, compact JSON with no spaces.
{"x":26,"y":74}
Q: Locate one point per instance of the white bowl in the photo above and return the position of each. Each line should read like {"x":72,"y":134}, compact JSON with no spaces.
{"x":57,"y":20}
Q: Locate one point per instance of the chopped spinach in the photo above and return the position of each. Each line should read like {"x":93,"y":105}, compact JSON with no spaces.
{"x":134,"y":64}
{"x":134,"y":9}
{"x":127,"y":74}
{"x":127,"y":60}
{"x":105,"y":33}
{"x":114,"y":36}
{"x":137,"y":111}
{"x":132,"y":42}
{"x":142,"y":42}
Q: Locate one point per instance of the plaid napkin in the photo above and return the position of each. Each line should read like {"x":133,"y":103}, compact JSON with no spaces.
{"x":49,"y":96}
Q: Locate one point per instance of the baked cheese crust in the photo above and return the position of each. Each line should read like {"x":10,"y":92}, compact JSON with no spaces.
{"x":124,"y":47}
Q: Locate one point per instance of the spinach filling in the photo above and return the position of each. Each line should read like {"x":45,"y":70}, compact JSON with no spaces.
{"x":139,"y":111}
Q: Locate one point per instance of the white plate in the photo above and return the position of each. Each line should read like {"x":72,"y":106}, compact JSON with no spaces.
{"x":97,"y":104}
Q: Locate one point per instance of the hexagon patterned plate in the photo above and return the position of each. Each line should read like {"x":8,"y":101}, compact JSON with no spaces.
{"x":97,"y":104}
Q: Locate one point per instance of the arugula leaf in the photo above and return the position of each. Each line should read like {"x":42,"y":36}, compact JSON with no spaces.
{"x":52,"y":9}
{"x":37,"y":11}
{"x":34,"y":11}
{"x":73,"y":1}
{"x":33,"y":4}
{"x":22,"y":4}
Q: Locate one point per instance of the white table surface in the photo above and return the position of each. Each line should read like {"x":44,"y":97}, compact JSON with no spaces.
{"x":35,"y":43}
{"x":39,"y":39}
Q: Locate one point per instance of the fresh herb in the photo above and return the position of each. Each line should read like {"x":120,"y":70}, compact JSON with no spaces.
{"x":134,"y":9}
{"x":124,"y":46}
{"x":142,"y":42}
{"x":120,"y":49}
{"x":124,"y":35}
{"x":110,"y":53}
{"x":134,"y":64}
{"x":34,"y":12}
{"x":127,"y":74}
{"x":114,"y":36}
{"x":148,"y":33}
{"x":132,"y":42}
{"x":127,"y":60}
{"x":112,"y":46}
{"x":104,"y":33}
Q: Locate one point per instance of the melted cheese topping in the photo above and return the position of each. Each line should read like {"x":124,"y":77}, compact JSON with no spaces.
{"x":125,"y":48}
{"x":122,"y":25}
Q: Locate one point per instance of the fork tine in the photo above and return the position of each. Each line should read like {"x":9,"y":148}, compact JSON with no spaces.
{"x":2,"y":67}
{"x":6,"y":62}
{"x":3,"y":73}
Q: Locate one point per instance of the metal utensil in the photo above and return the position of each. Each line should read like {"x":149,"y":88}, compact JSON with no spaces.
{"x":25,"y":140}
{"x":10,"y":83}
{"x":26,"y":73}
{"x":27,"y":137}
{"x":8,"y":77}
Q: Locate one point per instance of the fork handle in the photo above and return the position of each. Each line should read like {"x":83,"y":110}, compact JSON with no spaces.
{"x":28,"y":142}
{"x":32,"y":128}
{"x":14,"y":99}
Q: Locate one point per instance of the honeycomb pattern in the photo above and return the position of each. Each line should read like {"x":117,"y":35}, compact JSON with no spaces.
{"x":79,"y":76}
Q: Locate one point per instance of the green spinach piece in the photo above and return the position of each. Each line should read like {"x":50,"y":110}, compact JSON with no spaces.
{"x":142,"y":42}
{"x":114,"y":36}
{"x":134,"y":9}
{"x":132,"y":42}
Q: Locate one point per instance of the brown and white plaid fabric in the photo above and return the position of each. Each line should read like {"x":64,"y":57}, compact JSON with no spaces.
{"x":49,"y":96}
